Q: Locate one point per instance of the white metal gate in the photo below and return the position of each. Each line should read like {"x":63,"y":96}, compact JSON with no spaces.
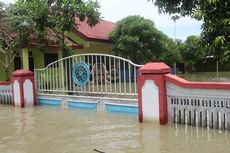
{"x":109,"y":76}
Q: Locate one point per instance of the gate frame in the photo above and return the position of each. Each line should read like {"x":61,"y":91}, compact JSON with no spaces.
{"x":98,"y":56}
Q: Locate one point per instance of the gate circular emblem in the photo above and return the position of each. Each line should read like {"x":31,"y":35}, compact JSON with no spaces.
{"x":81,"y":74}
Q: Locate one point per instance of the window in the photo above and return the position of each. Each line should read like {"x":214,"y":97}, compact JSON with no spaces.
{"x":50,"y":57}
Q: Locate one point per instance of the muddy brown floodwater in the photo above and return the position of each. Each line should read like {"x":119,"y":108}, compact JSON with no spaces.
{"x":48,"y":129}
{"x":207,"y":76}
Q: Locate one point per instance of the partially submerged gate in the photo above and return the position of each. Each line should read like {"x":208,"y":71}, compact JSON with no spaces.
{"x":89,"y":75}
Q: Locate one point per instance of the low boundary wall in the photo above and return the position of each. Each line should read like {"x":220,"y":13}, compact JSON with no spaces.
{"x":6,"y":94}
{"x":94,"y":103}
{"x":171,"y":99}
{"x":198,"y":103}
{"x":20,"y":91}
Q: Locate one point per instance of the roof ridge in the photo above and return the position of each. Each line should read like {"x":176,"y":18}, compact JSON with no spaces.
{"x":98,"y":32}
{"x":108,"y":21}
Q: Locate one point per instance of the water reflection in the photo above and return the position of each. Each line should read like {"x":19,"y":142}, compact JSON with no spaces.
{"x":207,"y":76}
{"x":197,"y":139}
{"x":150,"y":136}
{"x":182,"y":138}
{"x":57,"y":130}
{"x":24,"y":119}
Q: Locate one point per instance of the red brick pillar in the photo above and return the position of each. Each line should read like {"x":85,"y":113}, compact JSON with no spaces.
{"x":152,"y":99}
{"x":23,"y":88}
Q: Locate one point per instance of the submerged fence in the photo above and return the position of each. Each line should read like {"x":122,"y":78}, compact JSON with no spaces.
{"x":108,"y":75}
{"x":6,"y":96}
{"x":171,"y":99}
{"x":197,"y":103}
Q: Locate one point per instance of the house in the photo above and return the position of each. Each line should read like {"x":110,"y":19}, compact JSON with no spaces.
{"x":84,"y":39}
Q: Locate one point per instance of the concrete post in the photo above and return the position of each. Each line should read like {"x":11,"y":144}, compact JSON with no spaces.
{"x":23,"y":88}
{"x":25,"y":58}
{"x":152,"y":99}
{"x":60,"y":54}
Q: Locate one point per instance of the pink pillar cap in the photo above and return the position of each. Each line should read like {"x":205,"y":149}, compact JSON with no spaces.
{"x":154,"y":68}
{"x":22,"y":73}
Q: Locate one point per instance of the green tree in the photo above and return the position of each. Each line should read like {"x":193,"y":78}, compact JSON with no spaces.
{"x":63,"y":15}
{"x":216,"y":28}
{"x":137,"y":39}
{"x":19,"y":18}
{"x":1,"y":6}
{"x":214,"y":13}
{"x":171,"y":54}
{"x":7,"y":42}
{"x":192,"y":52}
{"x":54,"y":16}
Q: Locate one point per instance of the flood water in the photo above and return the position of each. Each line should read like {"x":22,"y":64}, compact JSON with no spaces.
{"x":207,"y":76}
{"x":49,"y":129}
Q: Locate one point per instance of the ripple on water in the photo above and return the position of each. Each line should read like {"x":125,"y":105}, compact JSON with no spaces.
{"x":57,"y":130}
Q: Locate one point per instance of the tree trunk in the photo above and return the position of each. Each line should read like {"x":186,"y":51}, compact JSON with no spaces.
{"x":63,"y":44}
{"x":7,"y":73}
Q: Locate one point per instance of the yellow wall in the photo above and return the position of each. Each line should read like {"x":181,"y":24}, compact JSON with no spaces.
{"x":90,"y":47}
{"x":2,"y":68}
{"x":96,"y":48}
{"x":77,"y":39}
{"x":25,"y":58}
{"x":38,"y":57}
{"x":60,"y":56}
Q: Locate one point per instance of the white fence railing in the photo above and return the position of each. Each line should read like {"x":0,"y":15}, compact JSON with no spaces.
{"x":6,"y":96}
{"x":199,"y":107}
{"x":109,"y":75}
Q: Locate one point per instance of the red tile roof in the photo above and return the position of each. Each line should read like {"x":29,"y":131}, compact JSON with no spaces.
{"x":99,"y":33}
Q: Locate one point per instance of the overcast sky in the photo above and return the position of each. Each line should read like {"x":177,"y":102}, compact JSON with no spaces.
{"x":115,"y":10}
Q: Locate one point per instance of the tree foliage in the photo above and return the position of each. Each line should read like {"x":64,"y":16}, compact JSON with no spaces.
{"x":53,"y":16}
{"x":1,"y":6}
{"x":137,"y":39}
{"x":8,"y":43}
{"x":27,"y":19}
{"x":216,"y":27}
{"x":63,"y":15}
{"x":216,"y":17}
{"x":178,"y":6}
{"x":172,"y":52}
{"x":192,"y":52}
